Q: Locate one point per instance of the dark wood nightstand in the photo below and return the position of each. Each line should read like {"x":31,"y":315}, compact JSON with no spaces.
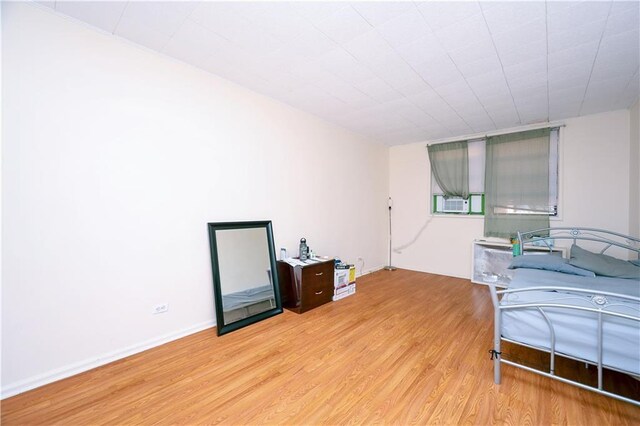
{"x":303,"y":288}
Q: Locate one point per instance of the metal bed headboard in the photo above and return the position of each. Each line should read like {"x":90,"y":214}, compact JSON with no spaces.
{"x":608,"y":238}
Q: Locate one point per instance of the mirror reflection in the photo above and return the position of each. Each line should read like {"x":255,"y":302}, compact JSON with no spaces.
{"x":245,"y":279}
{"x":245,"y":273}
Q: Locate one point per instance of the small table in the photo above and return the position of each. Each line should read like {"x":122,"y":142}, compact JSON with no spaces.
{"x":303,"y":288}
{"x":490,"y":261}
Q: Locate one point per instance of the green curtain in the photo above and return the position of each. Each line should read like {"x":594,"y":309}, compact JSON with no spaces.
{"x":516,"y":176}
{"x":450,"y":167}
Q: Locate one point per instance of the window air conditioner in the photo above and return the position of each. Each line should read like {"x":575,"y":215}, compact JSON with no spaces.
{"x":456,"y":205}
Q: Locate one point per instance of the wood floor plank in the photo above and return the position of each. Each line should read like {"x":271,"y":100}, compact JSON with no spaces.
{"x":407,"y":348}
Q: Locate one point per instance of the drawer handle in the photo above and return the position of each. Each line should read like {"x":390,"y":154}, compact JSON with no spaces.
{"x":319,"y":292}
{"x":318,"y":274}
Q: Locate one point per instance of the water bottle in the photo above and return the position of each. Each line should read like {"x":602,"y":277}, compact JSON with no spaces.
{"x":304,"y":249}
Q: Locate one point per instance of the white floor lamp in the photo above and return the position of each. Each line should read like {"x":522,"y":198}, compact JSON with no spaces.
{"x":389,"y":267}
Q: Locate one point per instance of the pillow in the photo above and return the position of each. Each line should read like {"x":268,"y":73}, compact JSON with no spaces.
{"x":602,"y":264}
{"x":548,"y":262}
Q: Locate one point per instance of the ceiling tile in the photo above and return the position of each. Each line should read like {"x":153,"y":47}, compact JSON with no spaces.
{"x":160,"y":17}
{"x":487,"y":80}
{"x":505,"y":16}
{"x":473,"y":52}
{"x":378,"y":89}
{"x":276,"y":18}
{"x":439,"y":14}
{"x":535,"y":49}
{"x":412,"y":87}
{"x":346,"y":93}
{"x":574,"y":36}
{"x":427,"y":100}
{"x":345,"y":66}
{"x":439,"y":72}
{"x":606,"y":88}
{"x":567,"y":95}
{"x":575,"y":70}
{"x":47,"y":3}
{"x":533,"y":66}
{"x":567,"y":81}
{"x":494,"y":102}
{"x":395,"y":71}
{"x":102,"y":14}
{"x":343,"y":25}
{"x":468,"y":31}
{"x":560,"y":6}
{"x":622,"y":41}
{"x":219,"y":19}
{"x":489,"y":64}
{"x":525,"y":82}
{"x":369,"y":47}
{"x":404,"y":28}
{"x":536,"y":95}
{"x":524,"y":38}
{"x":623,"y":21}
{"x":458,"y":90}
{"x":582,"y":53}
{"x":377,"y":13}
{"x":508,"y":110}
{"x":580,"y":14}
{"x":310,"y":43}
{"x":421,"y":50}
{"x":604,"y":70}
{"x":311,"y":72}
{"x":316,"y":11}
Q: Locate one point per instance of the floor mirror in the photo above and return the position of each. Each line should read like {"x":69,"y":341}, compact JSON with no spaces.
{"x":245,"y":275}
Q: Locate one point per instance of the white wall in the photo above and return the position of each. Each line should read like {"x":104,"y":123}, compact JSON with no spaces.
{"x":115,"y":158}
{"x":594,"y":171}
{"x":634,"y":171}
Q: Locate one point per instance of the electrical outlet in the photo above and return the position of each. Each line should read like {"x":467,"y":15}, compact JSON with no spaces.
{"x":161,"y":308}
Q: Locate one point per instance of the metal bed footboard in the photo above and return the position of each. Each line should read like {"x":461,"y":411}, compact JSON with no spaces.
{"x":547,"y":237}
{"x":599,"y":299}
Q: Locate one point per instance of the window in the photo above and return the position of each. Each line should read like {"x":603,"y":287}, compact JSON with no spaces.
{"x":475,"y":203}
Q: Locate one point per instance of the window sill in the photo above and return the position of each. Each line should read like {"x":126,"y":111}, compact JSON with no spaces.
{"x":458,"y":216}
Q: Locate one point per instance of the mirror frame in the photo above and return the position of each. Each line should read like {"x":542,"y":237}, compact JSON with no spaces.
{"x":221,"y":327}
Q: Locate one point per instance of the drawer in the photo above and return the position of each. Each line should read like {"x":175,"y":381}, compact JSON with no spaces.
{"x":317,"y":285}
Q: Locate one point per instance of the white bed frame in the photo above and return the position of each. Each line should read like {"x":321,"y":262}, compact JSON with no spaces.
{"x":599,"y":300}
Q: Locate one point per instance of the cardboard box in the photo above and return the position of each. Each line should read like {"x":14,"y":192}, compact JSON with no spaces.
{"x":341,"y":278}
{"x":342,"y":292}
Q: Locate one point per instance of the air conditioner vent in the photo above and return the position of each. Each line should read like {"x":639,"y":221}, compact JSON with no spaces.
{"x":456,"y":205}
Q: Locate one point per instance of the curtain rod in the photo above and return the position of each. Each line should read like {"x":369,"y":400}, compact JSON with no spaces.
{"x":553,"y":125}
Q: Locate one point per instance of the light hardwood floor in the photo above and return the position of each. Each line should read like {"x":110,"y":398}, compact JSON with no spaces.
{"x":407,"y":348}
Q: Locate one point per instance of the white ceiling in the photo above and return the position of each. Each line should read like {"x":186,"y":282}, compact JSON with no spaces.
{"x":401,"y":72}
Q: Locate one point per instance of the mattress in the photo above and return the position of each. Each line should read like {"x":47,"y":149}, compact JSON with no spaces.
{"x":576,"y":331}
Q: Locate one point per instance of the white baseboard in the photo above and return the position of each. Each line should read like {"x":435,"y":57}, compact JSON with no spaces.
{"x":371,"y":270}
{"x":88,"y":364}
{"x":82,"y":366}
